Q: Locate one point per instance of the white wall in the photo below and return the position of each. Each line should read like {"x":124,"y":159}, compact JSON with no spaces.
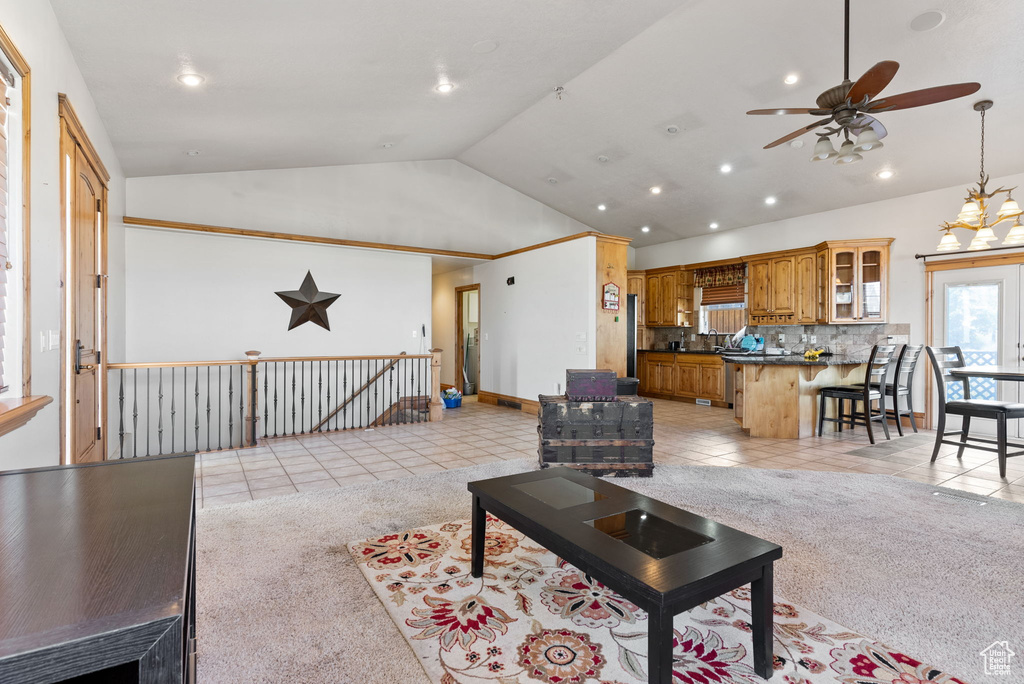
{"x":528,"y":331}
{"x":441,"y":204}
{"x":34,"y":30}
{"x":196,"y":297}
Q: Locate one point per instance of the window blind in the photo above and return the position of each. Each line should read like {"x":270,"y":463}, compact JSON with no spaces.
{"x":4,"y":237}
{"x":722,"y":294}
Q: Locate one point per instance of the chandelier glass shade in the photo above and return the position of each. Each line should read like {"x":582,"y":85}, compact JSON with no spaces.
{"x":974,"y":215}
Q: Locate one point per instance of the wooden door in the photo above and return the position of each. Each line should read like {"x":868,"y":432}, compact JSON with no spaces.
{"x":669,"y":299}
{"x":806,"y":289}
{"x":653,"y":303}
{"x":759,"y":293}
{"x":85,"y":442}
{"x":712,"y":382}
{"x":783,"y":286}
{"x":687,"y":379}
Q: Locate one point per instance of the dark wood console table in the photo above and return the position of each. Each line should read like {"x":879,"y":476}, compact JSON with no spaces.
{"x":97,"y":572}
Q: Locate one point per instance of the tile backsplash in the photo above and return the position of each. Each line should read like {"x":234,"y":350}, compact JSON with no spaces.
{"x":840,"y":339}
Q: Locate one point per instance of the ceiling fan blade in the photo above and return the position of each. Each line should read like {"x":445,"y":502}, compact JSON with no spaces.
{"x":864,"y":121}
{"x":786,"y":110}
{"x":873,"y":81}
{"x":920,"y":98}
{"x":797,"y":133}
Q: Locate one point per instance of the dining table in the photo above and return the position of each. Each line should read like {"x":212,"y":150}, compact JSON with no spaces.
{"x":1008,"y":373}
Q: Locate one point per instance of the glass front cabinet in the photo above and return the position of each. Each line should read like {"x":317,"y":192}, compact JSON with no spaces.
{"x":852,"y":281}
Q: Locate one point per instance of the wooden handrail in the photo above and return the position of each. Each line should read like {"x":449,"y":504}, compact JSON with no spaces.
{"x":359,"y":391}
{"x":289,"y":359}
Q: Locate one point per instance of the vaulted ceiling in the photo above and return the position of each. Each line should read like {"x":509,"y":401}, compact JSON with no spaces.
{"x":325,"y":82}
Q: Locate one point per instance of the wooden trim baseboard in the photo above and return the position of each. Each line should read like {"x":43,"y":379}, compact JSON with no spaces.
{"x":528,"y":405}
{"x":16,"y":412}
{"x":685,"y":400}
{"x":339,"y":242}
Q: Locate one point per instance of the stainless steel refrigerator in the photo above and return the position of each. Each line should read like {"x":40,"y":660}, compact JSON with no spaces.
{"x":631,"y":335}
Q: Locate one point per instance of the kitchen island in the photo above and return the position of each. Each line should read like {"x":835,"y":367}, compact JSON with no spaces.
{"x":777,"y":396}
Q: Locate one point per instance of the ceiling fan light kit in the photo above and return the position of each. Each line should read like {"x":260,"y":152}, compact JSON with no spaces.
{"x":974,"y":213}
{"x":849,"y":107}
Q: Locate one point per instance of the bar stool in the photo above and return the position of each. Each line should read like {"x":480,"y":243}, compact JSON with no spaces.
{"x":967,"y":408}
{"x":902,"y":386}
{"x":870,"y":391}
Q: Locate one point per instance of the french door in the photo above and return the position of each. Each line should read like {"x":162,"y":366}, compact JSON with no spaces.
{"x":978,"y":310}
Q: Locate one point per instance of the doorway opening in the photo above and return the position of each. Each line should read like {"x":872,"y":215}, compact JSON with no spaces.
{"x":467,"y":339}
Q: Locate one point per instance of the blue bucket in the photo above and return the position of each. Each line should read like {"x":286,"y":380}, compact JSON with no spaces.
{"x":452,"y":403}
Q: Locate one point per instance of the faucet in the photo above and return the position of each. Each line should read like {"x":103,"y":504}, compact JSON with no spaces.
{"x":707,"y":336}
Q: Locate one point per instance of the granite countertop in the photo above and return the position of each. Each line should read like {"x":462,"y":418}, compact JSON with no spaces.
{"x":680,"y":351}
{"x":796,"y":360}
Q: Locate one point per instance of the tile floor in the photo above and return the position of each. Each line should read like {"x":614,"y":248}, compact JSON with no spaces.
{"x":479,"y":433}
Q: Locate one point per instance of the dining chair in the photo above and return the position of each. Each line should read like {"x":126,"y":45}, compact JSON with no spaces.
{"x":871,"y":390}
{"x":943,"y":360}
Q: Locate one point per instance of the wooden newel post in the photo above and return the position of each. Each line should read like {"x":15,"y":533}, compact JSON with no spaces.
{"x":435,"y":385}
{"x":251,"y":400}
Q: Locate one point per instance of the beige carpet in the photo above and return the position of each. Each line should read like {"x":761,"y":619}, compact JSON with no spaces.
{"x":281,"y":600}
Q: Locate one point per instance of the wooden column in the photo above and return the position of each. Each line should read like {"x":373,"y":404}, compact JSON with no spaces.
{"x":610,"y":333}
{"x":435,"y":385}
{"x":251,"y":428}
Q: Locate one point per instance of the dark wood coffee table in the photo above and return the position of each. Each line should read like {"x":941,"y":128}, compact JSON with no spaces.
{"x":662,"y":558}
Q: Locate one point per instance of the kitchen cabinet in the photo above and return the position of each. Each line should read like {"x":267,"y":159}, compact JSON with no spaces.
{"x":636,"y":284}
{"x":687,"y":379}
{"x":856,"y":276}
{"x":683,"y":376}
{"x":669,"y":297}
{"x":772,"y":290}
{"x":807,"y":288}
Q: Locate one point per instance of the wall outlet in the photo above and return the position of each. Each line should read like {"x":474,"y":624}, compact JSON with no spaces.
{"x":54,"y":339}
{"x":486,"y":337}
{"x":782,"y":338}
{"x":814,"y":338}
{"x":803,"y":337}
{"x":415,"y":334}
{"x":693,"y":337}
{"x":581,"y":349}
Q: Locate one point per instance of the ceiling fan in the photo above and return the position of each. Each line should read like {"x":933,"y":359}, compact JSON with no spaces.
{"x":850,"y":107}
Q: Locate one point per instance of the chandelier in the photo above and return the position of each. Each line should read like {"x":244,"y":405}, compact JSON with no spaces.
{"x":974,"y":214}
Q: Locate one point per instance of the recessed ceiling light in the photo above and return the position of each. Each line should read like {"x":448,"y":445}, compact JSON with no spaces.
{"x":191,"y":80}
{"x":725,"y":168}
{"x":193,"y":153}
{"x":445,"y":87}
{"x":646,"y":229}
{"x":769,"y":201}
{"x":886,"y":174}
{"x":387,"y":145}
{"x":603,"y":158}
{"x":713,"y":226}
{"x":672,"y":130}
{"x":484,"y":46}
{"x":791,"y":79}
{"x":601,"y":207}
{"x":656,"y":190}
{"x":796,"y":144}
{"x":926,"y":21}
{"x":553,"y":180}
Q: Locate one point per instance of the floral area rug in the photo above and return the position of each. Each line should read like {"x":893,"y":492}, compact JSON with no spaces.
{"x":533,"y":617}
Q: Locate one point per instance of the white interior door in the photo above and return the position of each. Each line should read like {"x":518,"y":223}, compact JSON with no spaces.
{"x":978,"y":310}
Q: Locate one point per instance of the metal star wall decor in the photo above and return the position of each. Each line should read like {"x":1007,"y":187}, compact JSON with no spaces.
{"x":308,"y":303}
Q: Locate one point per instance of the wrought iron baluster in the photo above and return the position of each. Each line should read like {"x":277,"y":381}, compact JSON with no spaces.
{"x":293,"y":397}
{"x":241,"y":406}
{"x":266,"y":405}
{"x":149,"y":409}
{"x":160,"y":411}
{"x":135,"y":412}
{"x":197,"y":409}
{"x":231,"y":415}
{"x":391,"y":393}
{"x":302,"y":398}
{"x":320,"y":392}
{"x":344,"y":393}
{"x":419,"y":392}
{"x":275,"y":398}
{"x":207,"y":408}
{"x":172,"y":410}
{"x":120,"y":412}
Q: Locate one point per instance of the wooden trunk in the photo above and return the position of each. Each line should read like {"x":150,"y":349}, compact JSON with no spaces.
{"x":590,"y":385}
{"x":599,"y":437}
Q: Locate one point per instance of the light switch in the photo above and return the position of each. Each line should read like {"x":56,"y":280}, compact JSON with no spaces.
{"x":55,"y":339}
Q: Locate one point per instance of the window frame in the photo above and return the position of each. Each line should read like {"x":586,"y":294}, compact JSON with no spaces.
{"x":18,"y":407}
